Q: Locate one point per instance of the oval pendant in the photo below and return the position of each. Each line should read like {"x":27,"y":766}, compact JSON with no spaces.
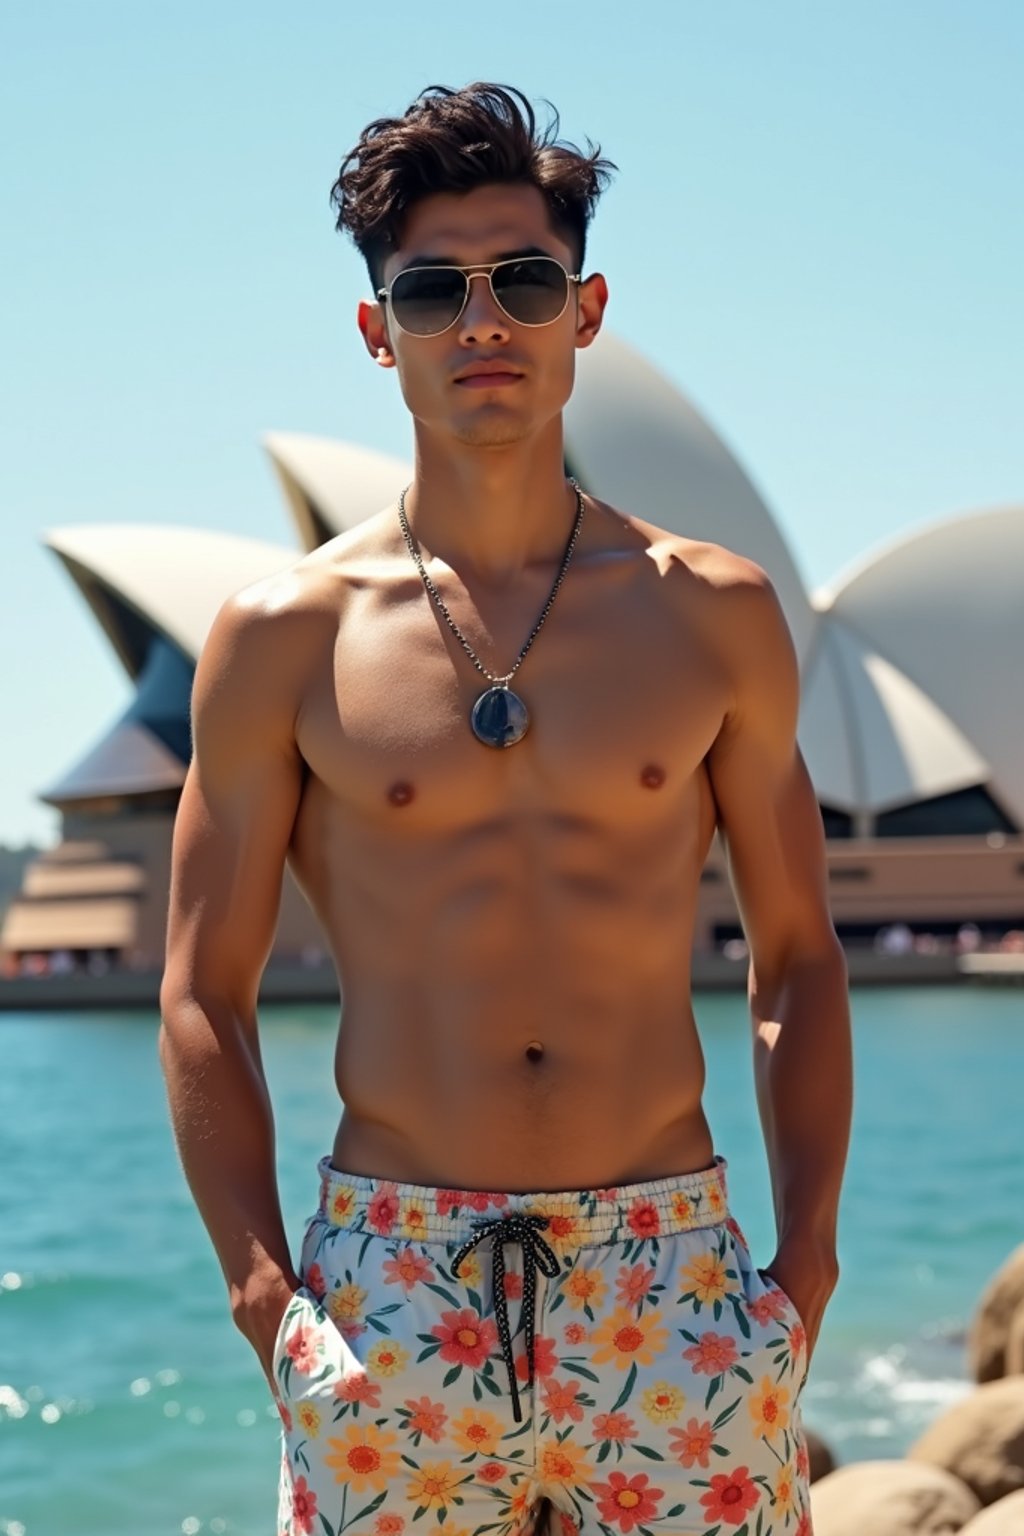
{"x":499,"y":718}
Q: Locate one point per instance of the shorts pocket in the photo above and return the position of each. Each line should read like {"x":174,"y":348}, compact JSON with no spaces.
{"x":771,"y":1281}
{"x":298,"y":1314}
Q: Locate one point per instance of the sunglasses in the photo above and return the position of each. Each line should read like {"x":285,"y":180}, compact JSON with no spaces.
{"x":531,"y":290}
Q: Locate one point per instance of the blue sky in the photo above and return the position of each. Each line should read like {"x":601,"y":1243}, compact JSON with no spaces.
{"x":815,"y":231}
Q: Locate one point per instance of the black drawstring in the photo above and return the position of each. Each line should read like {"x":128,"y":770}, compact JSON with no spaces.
{"x":514,"y":1228}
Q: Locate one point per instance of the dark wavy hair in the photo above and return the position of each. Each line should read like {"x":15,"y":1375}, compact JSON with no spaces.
{"x":455,"y":140}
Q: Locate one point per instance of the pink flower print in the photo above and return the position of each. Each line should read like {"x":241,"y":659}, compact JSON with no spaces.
{"x":382,"y":1212}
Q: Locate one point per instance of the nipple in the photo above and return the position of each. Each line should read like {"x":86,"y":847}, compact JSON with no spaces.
{"x":653,"y":776}
{"x":401,"y":793}
{"x":534,"y":1051}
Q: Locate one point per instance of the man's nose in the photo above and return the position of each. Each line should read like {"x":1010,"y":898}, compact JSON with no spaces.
{"x":483,"y":319}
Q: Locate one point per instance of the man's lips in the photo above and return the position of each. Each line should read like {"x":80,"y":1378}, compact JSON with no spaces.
{"x":488,"y":380}
{"x":489,"y":375}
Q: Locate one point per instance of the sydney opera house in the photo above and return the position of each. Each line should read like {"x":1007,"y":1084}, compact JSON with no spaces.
{"x":912,"y":720}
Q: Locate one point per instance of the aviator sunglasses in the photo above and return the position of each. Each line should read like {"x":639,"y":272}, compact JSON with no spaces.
{"x":531,"y":290}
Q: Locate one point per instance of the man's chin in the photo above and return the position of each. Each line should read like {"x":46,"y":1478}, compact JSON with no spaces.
{"x":491,"y":431}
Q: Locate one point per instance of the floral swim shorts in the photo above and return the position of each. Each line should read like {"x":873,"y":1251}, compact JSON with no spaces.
{"x":598,"y":1361}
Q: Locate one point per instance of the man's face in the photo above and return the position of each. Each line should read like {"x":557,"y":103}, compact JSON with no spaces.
{"x":489,"y":224}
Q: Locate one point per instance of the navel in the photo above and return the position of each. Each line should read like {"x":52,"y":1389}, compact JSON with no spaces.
{"x":535,"y":1051}
{"x":401,"y":793}
{"x":652,"y":776}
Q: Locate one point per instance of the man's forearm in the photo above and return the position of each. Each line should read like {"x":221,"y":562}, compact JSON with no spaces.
{"x":803,"y":1072}
{"x":224,"y":1129}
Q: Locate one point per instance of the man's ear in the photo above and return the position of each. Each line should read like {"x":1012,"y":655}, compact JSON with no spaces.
{"x":373,"y":326}
{"x":590,"y":308}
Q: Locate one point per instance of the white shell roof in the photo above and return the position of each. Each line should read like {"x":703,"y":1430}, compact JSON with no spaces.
{"x":636,"y":441}
{"x":330,"y":485}
{"x":174,"y":578}
{"x":945,"y":605}
{"x":871,"y":739}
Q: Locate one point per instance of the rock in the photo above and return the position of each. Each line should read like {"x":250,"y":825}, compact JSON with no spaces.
{"x":822,"y":1461}
{"x":890,"y":1498}
{"x":1003,"y":1518}
{"x":1001,"y":1298}
{"x":1015,"y":1344}
{"x":980,"y":1440}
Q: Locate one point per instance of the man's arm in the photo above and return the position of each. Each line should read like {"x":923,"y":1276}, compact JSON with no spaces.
{"x":771,"y":827}
{"x":230,"y":838}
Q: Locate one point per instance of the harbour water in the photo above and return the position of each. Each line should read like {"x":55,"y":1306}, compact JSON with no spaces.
{"x":129,"y":1406}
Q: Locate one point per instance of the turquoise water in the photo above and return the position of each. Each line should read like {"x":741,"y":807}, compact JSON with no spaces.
{"x":129,"y":1406}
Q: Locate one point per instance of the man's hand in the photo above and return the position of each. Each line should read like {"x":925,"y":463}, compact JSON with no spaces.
{"x":808,"y":1272}
{"x":258,"y":1313}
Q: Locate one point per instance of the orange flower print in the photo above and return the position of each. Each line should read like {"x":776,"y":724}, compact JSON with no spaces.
{"x":563,"y":1462}
{"x":567,"y":1525}
{"x":705,"y":1276}
{"x":614,"y":1426}
{"x":466,"y":1337}
{"x":575,"y":1333}
{"x":426,"y":1418}
{"x":716,"y":1199}
{"x":544,"y":1359}
{"x":585,"y":1288}
{"x":387,"y":1359}
{"x":513,"y":1286}
{"x":315,"y":1281}
{"x":286,"y":1415}
{"x":412,"y":1220}
{"x":433,"y":1485}
{"x":730,"y":1498}
{"x":389,"y":1525}
{"x":784,"y":1491}
{"x":682,"y":1206}
{"x":804,"y":1528}
{"x":309,"y":1417}
{"x":470,"y":1273}
{"x":491,"y":1472}
{"x":626,"y":1501}
{"x":797,"y":1339}
{"x":407,"y":1269}
{"x":382,"y":1211}
{"x":643,"y":1218}
{"x":358,"y":1388}
{"x":663,"y":1402}
{"x":803,"y":1459}
{"x":303,"y":1506}
{"x":691,"y":1446}
{"x":561,"y":1400}
{"x":363,"y":1458}
{"x":341,"y":1203}
{"x":623,"y":1339}
{"x":712,"y":1354}
{"x":477,"y":1430}
{"x":304,"y":1349}
{"x":632,"y":1284}
{"x":345,"y":1304}
{"x":768,"y":1408}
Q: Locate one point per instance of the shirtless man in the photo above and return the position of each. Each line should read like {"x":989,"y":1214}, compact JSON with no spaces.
{"x":522,"y":1303}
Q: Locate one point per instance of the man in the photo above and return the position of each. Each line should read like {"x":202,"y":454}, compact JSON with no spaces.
{"x":493,"y":730}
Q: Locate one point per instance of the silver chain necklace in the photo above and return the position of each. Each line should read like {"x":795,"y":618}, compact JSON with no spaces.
{"x":499,"y":717}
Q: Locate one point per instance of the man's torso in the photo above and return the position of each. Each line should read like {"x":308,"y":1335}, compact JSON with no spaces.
{"x":478,"y":901}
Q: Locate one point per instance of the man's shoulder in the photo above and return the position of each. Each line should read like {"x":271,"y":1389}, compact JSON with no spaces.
{"x":711,"y":566}
{"x":314,"y":586}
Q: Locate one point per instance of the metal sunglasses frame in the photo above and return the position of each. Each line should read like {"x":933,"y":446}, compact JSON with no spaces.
{"x":481,"y":270}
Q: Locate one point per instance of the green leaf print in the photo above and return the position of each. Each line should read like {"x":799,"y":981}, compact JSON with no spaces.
{"x":676,"y":1509}
{"x":442,"y":1514}
{"x":375,"y":1322}
{"x":367,"y":1240}
{"x":649,"y":1452}
{"x":606,"y":1446}
{"x":489,"y":1383}
{"x":453,"y":1301}
{"x":580,"y":1370}
{"x":627,"y":1388}
{"x":328,"y":1527}
{"x":370,"y":1508}
{"x":474,"y":1301}
{"x":452,"y":1375}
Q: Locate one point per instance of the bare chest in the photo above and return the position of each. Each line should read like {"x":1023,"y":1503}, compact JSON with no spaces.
{"x":624,"y":699}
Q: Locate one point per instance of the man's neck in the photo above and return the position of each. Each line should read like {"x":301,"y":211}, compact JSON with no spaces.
{"x":490,"y":512}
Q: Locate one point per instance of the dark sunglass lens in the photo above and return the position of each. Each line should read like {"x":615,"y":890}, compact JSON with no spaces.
{"x":425,"y":300}
{"x":533,"y":291}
